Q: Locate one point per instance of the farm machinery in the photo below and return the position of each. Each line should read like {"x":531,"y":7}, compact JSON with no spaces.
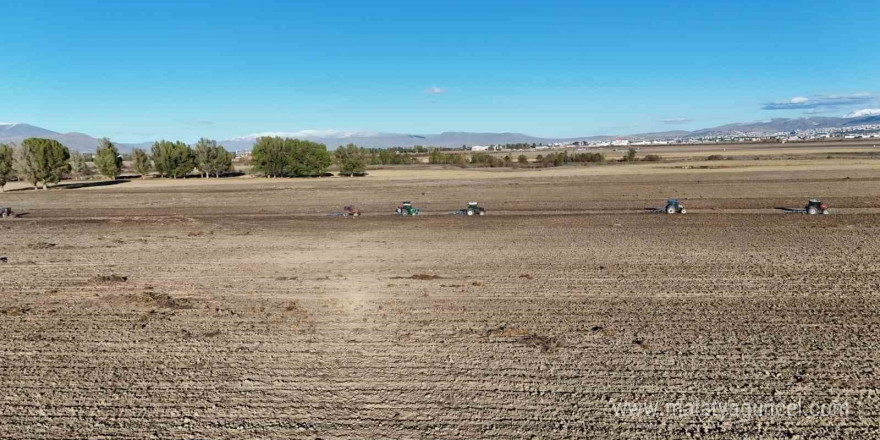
{"x":814,"y":206}
{"x":673,"y":206}
{"x":406,"y":208}
{"x":347,"y":211}
{"x":472,"y":209}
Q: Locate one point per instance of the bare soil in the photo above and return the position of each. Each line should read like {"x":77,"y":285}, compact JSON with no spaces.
{"x":240,"y":309}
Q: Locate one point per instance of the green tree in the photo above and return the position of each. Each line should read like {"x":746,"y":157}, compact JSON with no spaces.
{"x":204,"y":153}
{"x":351,"y":160}
{"x":26,"y":165}
{"x":43,"y":160}
{"x":222,"y":161}
{"x":271,"y":156}
{"x":436,"y":157}
{"x":7,"y":170}
{"x":308,"y":159}
{"x":173,"y":159}
{"x":630,"y":155}
{"x":211,"y":158}
{"x":274,"y":157}
{"x":79,"y":165}
{"x":108,"y":160}
{"x":140,"y":162}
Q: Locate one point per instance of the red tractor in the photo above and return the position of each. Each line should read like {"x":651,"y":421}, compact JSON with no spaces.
{"x":815,"y":207}
{"x":347,"y":211}
{"x":350,"y":211}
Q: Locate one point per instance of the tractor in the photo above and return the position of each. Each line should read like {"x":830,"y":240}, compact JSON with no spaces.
{"x":347,"y":211}
{"x":406,"y":208}
{"x":815,"y":206}
{"x":350,"y":211}
{"x":5,"y":212}
{"x":472,"y":209}
{"x":674,"y":206}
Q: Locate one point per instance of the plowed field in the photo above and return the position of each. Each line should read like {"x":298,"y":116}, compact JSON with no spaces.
{"x":240,"y":309}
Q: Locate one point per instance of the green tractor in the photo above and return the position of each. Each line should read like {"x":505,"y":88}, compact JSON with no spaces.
{"x":406,"y":208}
{"x":472,"y":209}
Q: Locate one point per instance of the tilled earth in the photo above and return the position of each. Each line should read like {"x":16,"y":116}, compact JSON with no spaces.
{"x":177,"y":321}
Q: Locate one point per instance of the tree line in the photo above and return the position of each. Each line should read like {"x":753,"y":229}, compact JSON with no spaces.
{"x":46,"y":161}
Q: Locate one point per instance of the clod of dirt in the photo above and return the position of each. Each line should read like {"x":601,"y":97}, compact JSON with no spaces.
{"x":526,"y":276}
{"x":112,"y":278}
{"x":477,"y":284}
{"x":523,"y":336}
{"x":41,"y":245}
{"x":213,"y":333}
{"x":292,"y":306}
{"x":14,"y":310}
{"x":419,"y":276}
{"x":294,"y":310}
{"x":4,"y":259}
{"x":286,"y":278}
{"x":163,"y":301}
{"x":544,"y":343}
{"x":195,"y":234}
{"x":503,"y":331}
{"x":596,"y":328}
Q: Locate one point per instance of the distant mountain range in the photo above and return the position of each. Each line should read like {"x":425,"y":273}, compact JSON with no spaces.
{"x":15,"y":133}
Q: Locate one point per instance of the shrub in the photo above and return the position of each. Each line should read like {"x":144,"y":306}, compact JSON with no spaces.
{"x":652,"y":158}
{"x":715,"y":157}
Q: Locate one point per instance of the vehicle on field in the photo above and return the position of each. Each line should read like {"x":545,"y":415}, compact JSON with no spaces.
{"x":815,"y":206}
{"x":350,"y":211}
{"x":406,"y":208}
{"x":347,"y":211}
{"x":472,"y":209}
{"x":674,"y":206}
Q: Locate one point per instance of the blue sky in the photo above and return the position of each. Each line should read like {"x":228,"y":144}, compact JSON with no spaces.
{"x":138,"y":71}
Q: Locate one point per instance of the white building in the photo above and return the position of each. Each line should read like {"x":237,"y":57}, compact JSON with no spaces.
{"x":480,"y":148}
{"x":620,"y":142}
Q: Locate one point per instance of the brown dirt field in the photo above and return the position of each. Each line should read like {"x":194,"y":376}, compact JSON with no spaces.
{"x":239,"y":309}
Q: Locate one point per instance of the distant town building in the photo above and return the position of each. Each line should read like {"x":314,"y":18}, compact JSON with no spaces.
{"x":480,"y":148}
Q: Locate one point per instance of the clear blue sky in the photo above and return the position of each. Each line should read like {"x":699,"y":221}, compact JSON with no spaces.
{"x":140,"y":70}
